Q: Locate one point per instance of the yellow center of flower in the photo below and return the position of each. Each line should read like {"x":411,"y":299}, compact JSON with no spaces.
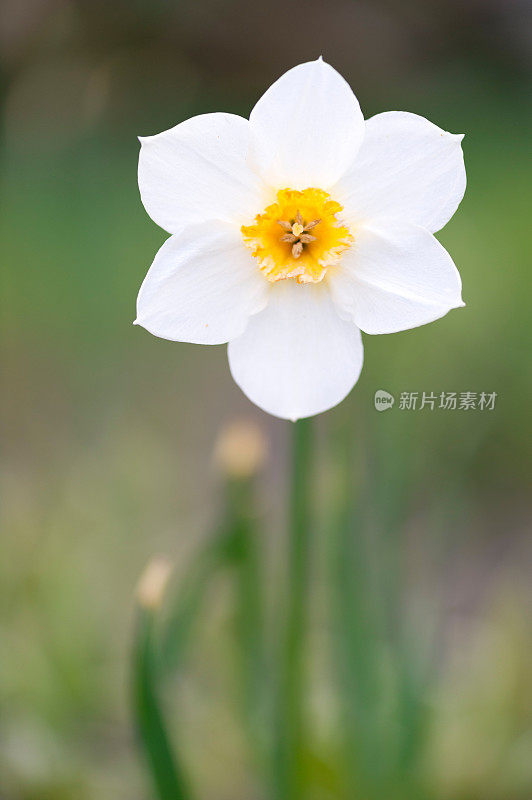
{"x":299,"y":236}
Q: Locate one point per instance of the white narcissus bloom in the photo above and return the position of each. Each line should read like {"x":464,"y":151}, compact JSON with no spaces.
{"x":294,"y":231}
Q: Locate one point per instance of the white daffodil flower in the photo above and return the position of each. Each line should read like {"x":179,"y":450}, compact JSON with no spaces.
{"x":294,"y":231}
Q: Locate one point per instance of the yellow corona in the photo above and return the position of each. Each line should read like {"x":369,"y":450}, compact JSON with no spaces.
{"x":299,"y":236}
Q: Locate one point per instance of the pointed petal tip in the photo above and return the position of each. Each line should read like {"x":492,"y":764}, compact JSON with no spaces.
{"x":323,"y":61}
{"x":455,"y":137}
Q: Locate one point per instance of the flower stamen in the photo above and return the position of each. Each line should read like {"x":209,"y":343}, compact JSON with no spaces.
{"x":299,"y":236}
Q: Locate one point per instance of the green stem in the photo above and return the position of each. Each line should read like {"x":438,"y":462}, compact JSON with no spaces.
{"x":290,"y":741}
{"x":356,"y":631}
{"x":249,"y":618}
{"x":167,"y":777}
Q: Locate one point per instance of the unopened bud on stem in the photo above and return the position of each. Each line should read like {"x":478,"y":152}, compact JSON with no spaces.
{"x":240,"y":450}
{"x":152,"y":583}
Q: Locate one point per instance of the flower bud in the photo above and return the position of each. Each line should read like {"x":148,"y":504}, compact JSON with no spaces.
{"x":240,"y":450}
{"x":152,"y":583}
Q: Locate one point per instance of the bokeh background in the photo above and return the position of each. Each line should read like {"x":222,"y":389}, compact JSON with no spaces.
{"x":109,"y":432}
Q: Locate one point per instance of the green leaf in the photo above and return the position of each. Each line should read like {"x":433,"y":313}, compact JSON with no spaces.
{"x":167,"y":775}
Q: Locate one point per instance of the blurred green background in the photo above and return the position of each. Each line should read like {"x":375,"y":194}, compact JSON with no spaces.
{"x":109,"y":432}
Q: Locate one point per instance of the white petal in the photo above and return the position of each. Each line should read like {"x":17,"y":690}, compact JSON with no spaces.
{"x":394,"y":278}
{"x":198,"y":171}
{"x":297,"y":357}
{"x":306,"y":129}
{"x":408,"y":169}
{"x":202,"y":286}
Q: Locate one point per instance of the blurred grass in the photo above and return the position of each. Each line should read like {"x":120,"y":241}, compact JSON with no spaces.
{"x":107,"y":438}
